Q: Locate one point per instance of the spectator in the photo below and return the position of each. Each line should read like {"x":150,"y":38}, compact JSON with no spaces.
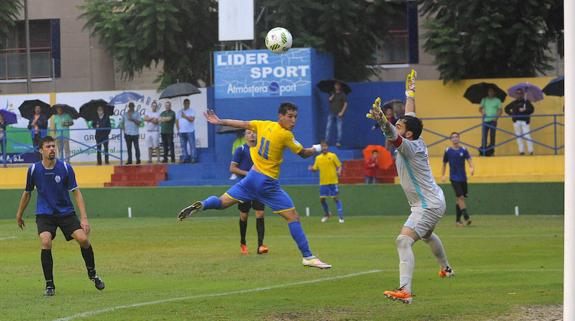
{"x":103,"y":127}
{"x":186,"y":127}
{"x":337,"y":108}
{"x":456,"y":156}
{"x":152,"y":119}
{"x":2,"y":136}
{"x":131,"y":121}
{"x":520,"y":111}
{"x":491,"y":110}
{"x":62,"y":123}
{"x":389,"y":114}
{"x":371,"y":168}
{"x":38,"y":126}
{"x":167,"y":120}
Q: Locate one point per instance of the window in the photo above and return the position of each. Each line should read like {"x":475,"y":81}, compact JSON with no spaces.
{"x":44,"y":51}
{"x":400,"y":46}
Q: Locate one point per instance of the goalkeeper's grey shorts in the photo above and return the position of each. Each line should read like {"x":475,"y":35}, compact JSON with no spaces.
{"x":423,"y":220}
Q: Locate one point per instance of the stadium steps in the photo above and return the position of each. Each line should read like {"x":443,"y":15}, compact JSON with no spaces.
{"x":86,"y":176}
{"x":353,"y":172}
{"x":139,"y":175}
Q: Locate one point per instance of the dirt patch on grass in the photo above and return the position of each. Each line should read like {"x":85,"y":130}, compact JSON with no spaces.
{"x":534,"y":313}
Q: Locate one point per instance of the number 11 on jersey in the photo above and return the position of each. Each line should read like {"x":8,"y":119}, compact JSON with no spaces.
{"x":264,"y":148}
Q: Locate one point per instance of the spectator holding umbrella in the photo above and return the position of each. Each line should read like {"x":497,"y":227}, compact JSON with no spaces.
{"x":62,"y":122}
{"x":2,"y":134}
{"x":490,"y":108}
{"x":102,"y":125}
{"x":520,"y":110}
{"x":186,"y":126}
{"x":167,"y":121}
{"x":131,"y":123}
{"x":337,"y":108}
{"x":38,"y":125}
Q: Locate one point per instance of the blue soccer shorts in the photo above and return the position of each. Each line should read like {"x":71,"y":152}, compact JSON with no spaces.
{"x":257,"y":186}
{"x":330,"y":190}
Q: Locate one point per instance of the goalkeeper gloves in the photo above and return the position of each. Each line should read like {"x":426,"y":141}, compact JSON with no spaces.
{"x":410,"y":84}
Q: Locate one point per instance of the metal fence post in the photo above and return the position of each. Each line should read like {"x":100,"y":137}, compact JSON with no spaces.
{"x":555,"y":133}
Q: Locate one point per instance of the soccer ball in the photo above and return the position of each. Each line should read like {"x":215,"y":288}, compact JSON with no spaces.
{"x":278,"y":40}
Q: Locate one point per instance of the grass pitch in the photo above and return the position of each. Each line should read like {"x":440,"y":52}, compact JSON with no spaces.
{"x":156,"y":269}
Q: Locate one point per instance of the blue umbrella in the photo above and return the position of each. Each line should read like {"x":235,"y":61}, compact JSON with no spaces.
{"x":9,"y":117}
{"x":531,"y":92}
{"x":555,"y":87}
{"x":126,"y":97}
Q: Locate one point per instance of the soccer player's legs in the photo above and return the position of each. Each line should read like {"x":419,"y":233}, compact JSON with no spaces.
{"x":460,"y":189}
{"x":244,"y":209}
{"x":271,"y":194}
{"x":86,"y":249}
{"x":323,"y":195}
{"x":260,"y":225}
{"x":236,"y":194}
{"x":47,"y":232}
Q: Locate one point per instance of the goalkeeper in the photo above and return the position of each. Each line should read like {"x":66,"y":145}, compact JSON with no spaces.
{"x":424,"y":195}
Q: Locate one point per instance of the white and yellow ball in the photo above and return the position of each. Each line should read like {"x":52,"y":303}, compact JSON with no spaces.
{"x":278,"y":40}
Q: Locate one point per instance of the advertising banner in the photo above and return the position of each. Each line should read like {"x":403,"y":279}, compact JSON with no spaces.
{"x":261,"y":73}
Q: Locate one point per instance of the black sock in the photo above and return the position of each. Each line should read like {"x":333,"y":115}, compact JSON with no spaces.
{"x":465,"y":215}
{"x":458,"y":213}
{"x":243,"y":228}
{"x":47,"y":266}
{"x":260,"y":226}
{"x":88,"y":255}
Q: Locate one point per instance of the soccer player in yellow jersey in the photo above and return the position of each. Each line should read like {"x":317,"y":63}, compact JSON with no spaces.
{"x":261,"y":183}
{"x":329,"y":168}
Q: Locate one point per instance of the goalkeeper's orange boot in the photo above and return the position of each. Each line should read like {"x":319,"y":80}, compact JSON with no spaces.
{"x":244,"y":249}
{"x":262,"y":249}
{"x":446,"y":272}
{"x":400,"y":295}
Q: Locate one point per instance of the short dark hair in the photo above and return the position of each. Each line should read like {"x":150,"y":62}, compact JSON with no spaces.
{"x":46,"y":139}
{"x":131,"y":104}
{"x":186,"y":100}
{"x":323,"y":141}
{"x":455,"y":133}
{"x":285,"y":107}
{"x":413,"y":124}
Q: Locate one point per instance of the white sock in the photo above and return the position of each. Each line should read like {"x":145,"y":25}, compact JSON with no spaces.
{"x":406,"y":261}
{"x":437,"y":249}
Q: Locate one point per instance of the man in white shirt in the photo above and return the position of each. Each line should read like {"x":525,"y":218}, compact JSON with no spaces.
{"x":152,"y":119}
{"x":187,"y":131}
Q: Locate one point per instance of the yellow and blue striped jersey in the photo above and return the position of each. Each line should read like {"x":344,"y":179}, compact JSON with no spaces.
{"x":267,"y":155}
{"x":327,"y":165}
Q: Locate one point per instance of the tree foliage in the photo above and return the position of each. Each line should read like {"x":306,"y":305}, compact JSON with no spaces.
{"x":138,"y":33}
{"x":349,"y":29}
{"x":9,"y":10}
{"x":490,"y":38}
{"x":182,"y":33}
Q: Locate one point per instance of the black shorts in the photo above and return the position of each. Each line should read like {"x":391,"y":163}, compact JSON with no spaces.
{"x":245,"y":206}
{"x":460,"y":188}
{"x":68,"y":224}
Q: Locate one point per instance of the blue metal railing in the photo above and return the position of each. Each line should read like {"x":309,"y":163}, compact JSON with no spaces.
{"x":25,"y":148}
{"x":553,"y":121}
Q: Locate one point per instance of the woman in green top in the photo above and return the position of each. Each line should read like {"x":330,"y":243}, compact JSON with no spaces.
{"x":491,"y":110}
{"x":62,"y":123}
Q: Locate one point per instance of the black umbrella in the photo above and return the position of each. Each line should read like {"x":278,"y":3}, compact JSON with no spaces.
{"x":179,"y":90}
{"x":89,"y":111}
{"x":67,"y":109}
{"x":555,"y":87}
{"x":28,"y":106}
{"x":327,"y":85}
{"x":478,"y":91}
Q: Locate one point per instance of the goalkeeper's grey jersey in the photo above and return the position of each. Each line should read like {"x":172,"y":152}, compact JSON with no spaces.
{"x":412,"y":162}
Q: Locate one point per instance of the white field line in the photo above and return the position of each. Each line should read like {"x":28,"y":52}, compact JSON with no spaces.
{"x":211,"y":295}
{"x":7,"y":238}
